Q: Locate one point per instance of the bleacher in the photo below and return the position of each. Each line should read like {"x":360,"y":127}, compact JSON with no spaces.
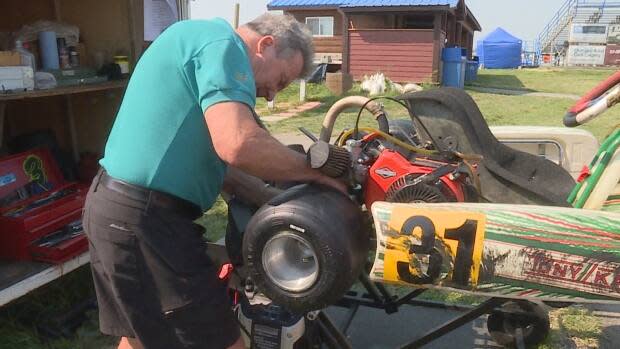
{"x":556,"y":33}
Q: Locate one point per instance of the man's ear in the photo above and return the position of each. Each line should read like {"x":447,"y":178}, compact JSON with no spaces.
{"x":265,"y":42}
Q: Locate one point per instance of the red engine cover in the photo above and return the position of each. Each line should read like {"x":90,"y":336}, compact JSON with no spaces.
{"x":389,"y":167}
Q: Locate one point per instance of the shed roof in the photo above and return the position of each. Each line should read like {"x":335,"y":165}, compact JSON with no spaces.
{"x":281,"y":4}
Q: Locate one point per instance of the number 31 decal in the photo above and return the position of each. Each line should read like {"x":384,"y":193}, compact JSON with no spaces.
{"x":433,"y":246}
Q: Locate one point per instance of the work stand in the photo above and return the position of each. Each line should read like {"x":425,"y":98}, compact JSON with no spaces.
{"x":377,"y":296}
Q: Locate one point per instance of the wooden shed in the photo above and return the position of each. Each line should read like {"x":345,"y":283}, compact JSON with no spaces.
{"x":401,"y":38}
{"x":78,"y":115}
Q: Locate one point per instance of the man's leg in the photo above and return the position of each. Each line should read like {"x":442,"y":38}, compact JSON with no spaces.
{"x":238,"y":344}
{"x":129,"y":343}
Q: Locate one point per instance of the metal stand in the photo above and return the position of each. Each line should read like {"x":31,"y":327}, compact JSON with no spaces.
{"x":379,"y":297}
{"x":334,"y":338}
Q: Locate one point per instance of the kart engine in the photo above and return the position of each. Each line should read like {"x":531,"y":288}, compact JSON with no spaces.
{"x":381,"y":170}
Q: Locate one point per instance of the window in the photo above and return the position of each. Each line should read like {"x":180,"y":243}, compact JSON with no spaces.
{"x":589,"y":29}
{"x":321,"y":26}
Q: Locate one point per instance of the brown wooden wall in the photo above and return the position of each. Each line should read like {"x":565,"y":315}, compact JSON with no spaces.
{"x":105,"y":27}
{"x":301,"y":15}
{"x":371,"y":21}
{"x":328,"y":44}
{"x":402,"y":55}
{"x":323,"y":44}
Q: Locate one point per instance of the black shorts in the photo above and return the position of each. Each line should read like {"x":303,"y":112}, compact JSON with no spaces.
{"x":153,"y":279}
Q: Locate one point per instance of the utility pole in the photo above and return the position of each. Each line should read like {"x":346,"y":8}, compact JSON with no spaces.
{"x":236,"y":17}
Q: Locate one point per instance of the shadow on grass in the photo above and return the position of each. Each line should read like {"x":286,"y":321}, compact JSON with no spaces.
{"x":505,"y":82}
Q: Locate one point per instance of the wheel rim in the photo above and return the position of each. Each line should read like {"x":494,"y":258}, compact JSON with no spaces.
{"x":290,"y":262}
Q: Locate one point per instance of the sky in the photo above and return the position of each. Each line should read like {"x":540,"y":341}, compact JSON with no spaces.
{"x":522,"y":18}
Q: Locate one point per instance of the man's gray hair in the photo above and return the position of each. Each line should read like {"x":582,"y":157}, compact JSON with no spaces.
{"x":290,"y":36}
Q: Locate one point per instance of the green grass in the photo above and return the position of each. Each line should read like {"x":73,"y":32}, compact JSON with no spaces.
{"x":214,"y":220}
{"x":572,"y":327}
{"x":554,"y":80}
{"x":497,"y":110}
{"x":21,"y":320}
{"x":289,"y":98}
{"x":579,"y":322}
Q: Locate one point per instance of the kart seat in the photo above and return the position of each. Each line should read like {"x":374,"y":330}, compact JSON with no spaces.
{"x":506,"y":175}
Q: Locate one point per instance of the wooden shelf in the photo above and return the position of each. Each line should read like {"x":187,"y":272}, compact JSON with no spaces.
{"x":67,"y":90}
{"x":20,"y":277}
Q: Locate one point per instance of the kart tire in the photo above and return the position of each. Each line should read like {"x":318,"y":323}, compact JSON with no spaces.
{"x":530,"y":317}
{"x":239,"y":214}
{"x":327,"y":246}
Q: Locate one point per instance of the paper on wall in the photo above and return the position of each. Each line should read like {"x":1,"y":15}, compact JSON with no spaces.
{"x":158,"y":15}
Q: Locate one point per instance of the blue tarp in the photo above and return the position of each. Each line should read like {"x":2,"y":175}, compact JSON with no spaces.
{"x":499,"y":50}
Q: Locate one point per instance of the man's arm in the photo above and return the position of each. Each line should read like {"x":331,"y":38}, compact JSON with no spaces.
{"x":239,"y":142}
{"x":248,"y":189}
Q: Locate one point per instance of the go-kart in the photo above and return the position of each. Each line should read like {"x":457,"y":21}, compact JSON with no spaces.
{"x":435,"y":202}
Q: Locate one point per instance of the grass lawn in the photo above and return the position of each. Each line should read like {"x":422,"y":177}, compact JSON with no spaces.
{"x":497,"y":110}
{"x":555,"y":80}
{"x":20,"y":322}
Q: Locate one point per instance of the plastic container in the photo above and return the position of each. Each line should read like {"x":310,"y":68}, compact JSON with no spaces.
{"x":49,"y":50}
{"x":471,"y":72}
{"x":27,"y":58}
{"x":123,"y":62}
{"x":453,"y":73}
{"x":63,"y":53}
{"x":74,"y":57}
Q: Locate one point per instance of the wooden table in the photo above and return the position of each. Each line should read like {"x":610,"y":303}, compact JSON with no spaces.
{"x":17,"y":278}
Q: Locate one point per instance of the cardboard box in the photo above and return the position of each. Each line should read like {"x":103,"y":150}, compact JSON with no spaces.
{"x":9,"y":58}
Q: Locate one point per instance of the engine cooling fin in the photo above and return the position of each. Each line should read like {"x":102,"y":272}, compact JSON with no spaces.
{"x":404,"y":190}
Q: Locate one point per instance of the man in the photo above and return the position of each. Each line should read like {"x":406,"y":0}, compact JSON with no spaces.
{"x":186,"y":115}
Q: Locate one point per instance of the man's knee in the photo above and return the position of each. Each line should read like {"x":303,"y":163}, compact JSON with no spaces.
{"x":238,"y":344}
{"x":129,"y":343}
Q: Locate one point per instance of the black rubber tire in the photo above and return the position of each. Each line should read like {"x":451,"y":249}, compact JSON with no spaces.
{"x":331,"y":223}
{"x":239,"y":214}
{"x":502,"y":323}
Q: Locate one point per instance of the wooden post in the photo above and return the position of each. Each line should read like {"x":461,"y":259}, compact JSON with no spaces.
{"x":437,"y":45}
{"x":236,"y":17}
{"x":72,"y":128}
{"x":57,"y":13}
{"x":345,"y":42}
{"x":302,"y":90}
{"x":2,"y":116}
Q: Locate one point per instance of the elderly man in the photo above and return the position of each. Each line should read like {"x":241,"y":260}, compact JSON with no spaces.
{"x":186,"y":116}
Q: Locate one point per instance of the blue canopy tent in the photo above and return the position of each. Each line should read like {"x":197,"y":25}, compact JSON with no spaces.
{"x":499,"y":50}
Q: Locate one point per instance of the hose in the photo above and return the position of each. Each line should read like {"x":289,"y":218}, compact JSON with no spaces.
{"x":390,"y":138}
{"x":348,"y":102}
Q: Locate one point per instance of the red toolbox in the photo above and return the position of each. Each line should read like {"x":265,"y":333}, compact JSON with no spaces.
{"x":40,"y":213}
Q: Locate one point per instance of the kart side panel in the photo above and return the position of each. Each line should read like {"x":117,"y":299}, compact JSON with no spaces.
{"x":523,"y":251}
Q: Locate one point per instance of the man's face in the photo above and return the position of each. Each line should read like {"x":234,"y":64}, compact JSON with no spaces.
{"x":273,"y":73}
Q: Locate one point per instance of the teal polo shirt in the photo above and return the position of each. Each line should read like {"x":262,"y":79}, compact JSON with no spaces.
{"x":160,"y":139}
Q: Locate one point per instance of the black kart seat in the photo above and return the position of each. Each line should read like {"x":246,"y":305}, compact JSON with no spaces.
{"x":507,"y":175}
